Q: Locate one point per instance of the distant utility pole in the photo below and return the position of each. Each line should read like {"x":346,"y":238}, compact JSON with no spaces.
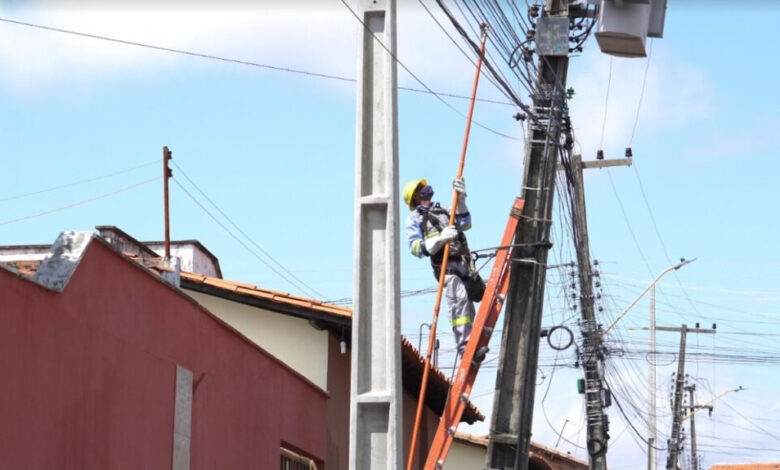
{"x":652,"y":435}
{"x":375,"y":393}
{"x":513,"y":403}
{"x":592,"y":358}
{"x":694,"y":455}
{"x":167,"y":173}
{"x":677,"y":417}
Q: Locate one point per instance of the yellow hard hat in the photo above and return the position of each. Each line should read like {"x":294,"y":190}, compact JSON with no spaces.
{"x":410,"y":188}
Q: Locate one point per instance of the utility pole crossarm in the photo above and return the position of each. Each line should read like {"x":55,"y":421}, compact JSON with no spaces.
{"x":607,"y":163}
{"x":689,"y":330}
{"x":601,"y":163}
{"x":677,"y":329}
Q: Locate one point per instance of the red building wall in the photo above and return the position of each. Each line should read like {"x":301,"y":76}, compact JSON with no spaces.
{"x":89,"y":378}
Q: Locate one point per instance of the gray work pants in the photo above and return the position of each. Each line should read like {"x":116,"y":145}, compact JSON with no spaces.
{"x":461,"y":309}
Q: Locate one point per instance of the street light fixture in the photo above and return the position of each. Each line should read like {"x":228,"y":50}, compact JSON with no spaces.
{"x":651,"y":451}
{"x":675,"y":267}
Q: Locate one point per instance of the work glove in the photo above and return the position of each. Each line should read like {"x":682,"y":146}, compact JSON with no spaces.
{"x":434,"y":244}
{"x":459,"y":185}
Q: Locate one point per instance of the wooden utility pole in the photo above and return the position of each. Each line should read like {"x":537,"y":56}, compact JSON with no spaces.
{"x":167,"y":173}
{"x":513,"y":403}
{"x":674,"y":441}
{"x":592,"y":358}
{"x":694,"y":454}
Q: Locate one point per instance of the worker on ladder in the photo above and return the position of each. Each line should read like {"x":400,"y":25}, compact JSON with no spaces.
{"x":427,"y":232}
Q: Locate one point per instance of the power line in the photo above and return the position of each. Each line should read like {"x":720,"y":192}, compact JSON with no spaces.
{"x":636,"y":170}
{"x":230,"y":60}
{"x":82,"y":202}
{"x":75,"y":183}
{"x":487,"y":63}
{"x":408,"y":70}
{"x":229,"y":232}
{"x":300,"y":282}
{"x":465,"y":54}
{"x":606,"y":105}
{"x":641,"y":93}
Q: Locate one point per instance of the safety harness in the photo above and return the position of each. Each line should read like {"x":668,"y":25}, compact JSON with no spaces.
{"x":431,"y":219}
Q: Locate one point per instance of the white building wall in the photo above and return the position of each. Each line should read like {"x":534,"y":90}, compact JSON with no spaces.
{"x":291,"y":340}
{"x":192,"y":258}
{"x":464,"y":456}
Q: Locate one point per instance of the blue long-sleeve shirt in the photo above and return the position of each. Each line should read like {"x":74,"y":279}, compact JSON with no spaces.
{"x":414,"y":227}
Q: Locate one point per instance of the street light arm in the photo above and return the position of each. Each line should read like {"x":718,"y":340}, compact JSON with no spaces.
{"x":709,"y":403}
{"x":682,"y":263}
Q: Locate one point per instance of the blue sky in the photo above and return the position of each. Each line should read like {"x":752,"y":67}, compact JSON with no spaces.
{"x":275,"y":151}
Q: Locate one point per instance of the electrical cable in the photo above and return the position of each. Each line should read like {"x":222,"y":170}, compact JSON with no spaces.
{"x":268,"y":255}
{"x":414,"y":76}
{"x":229,"y":232}
{"x":606,"y":105}
{"x":465,"y":54}
{"x":488,"y":64}
{"x":75,"y":183}
{"x":628,"y":420}
{"x":544,"y":411}
{"x":202,"y":55}
{"x":636,"y":170}
{"x":641,"y":93}
{"x":82,"y":202}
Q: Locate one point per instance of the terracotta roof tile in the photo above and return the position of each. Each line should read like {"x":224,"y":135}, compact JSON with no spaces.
{"x":243,"y":288}
{"x":438,"y":385}
{"x":25,"y":267}
{"x":746,"y":466}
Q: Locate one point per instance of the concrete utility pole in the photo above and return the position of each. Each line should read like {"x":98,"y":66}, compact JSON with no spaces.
{"x":652,"y":431}
{"x":677,"y":417}
{"x":592,"y":358}
{"x":513,"y":403}
{"x":375,"y":396}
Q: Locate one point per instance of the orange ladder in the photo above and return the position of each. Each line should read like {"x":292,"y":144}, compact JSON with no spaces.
{"x":482,"y":329}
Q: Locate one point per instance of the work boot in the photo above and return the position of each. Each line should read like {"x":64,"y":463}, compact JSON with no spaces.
{"x":479,"y":356}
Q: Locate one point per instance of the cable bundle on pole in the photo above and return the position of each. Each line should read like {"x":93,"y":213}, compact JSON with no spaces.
{"x":443,"y":273}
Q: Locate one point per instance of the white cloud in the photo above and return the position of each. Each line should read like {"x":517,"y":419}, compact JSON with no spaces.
{"x":35,"y":58}
{"x":321,"y":40}
{"x":675,"y":94}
